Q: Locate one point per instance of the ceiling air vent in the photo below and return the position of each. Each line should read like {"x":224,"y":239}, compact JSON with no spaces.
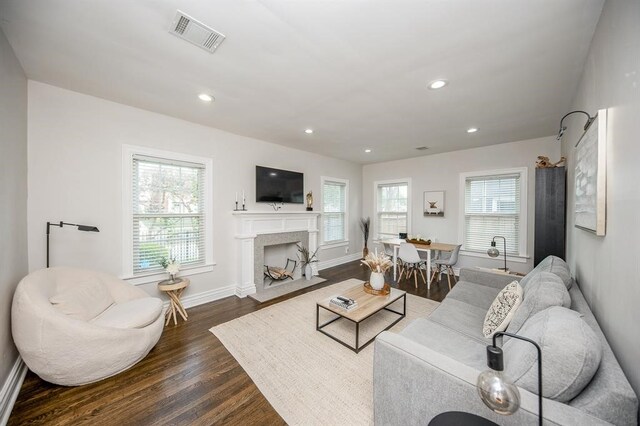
{"x":422,"y":148}
{"x":187,"y":28}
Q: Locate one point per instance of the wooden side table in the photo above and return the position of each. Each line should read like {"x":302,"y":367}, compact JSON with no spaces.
{"x":174,"y":291}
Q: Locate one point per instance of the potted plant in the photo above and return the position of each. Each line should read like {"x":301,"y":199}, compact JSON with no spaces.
{"x":171,"y":267}
{"x":306,"y":259}
{"x":365,"y":225}
{"x":379,"y":264}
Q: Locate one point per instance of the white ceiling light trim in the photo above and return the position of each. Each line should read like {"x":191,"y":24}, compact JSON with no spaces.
{"x":308,"y":131}
{"x":205,"y":98}
{"x":195,"y":32}
{"x":367,"y":150}
{"x":438,"y":84}
{"x":472,"y":129}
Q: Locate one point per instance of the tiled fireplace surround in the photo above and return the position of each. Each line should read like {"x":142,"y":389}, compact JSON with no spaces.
{"x":255,"y":230}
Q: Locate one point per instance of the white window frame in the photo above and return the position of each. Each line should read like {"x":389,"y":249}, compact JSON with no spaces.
{"x":128,"y":152}
{"x":376,"y":184}
{"x":523,"y":222}
{"x":345,"y":238}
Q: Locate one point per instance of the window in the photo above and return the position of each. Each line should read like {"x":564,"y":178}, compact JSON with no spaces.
{"x":495,"y":204}
{"x":167,"y":210}
{"x":392,"y":208}
{"x":334,"y":210}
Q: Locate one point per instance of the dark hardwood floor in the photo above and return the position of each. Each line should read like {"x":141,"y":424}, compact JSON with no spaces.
{"x":189,"y":378}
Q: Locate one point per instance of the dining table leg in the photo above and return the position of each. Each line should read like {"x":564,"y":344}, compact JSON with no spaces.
{"x":428,"y":269}
{"x":395,"y":262}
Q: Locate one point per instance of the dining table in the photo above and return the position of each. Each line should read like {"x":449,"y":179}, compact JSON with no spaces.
{"x":428,"y":248}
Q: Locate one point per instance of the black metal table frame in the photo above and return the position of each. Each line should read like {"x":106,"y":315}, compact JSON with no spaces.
{"x":357,"y":348}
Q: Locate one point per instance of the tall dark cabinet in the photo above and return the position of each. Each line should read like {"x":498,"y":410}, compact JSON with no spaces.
{"x":550,"y":213}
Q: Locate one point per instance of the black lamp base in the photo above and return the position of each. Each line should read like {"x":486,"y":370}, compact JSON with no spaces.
{"x":456,"y":418}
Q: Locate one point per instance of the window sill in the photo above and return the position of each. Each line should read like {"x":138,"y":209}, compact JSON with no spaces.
{"x":484,"y":255}
{"x":159,"y":276}
{"x":334,"y":244}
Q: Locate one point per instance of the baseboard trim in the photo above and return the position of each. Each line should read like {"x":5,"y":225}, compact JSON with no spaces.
{"x":338,"y":261}
{"x":11,"y":389}
{"x":206,"y":296}
{"x":245,"y":291}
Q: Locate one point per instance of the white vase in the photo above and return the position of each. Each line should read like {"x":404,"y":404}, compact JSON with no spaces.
{"x":308,"y":272}
{"x":376,"y":280}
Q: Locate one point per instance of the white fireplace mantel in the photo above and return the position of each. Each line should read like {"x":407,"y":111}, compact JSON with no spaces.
{"x":250,"y":224}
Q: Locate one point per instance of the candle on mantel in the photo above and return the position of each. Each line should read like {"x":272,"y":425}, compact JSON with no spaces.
{"x":243,"y":199}
{"x":236,"y":196}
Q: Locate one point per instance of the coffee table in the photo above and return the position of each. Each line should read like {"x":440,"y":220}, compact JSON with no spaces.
{"x":368,"y":305}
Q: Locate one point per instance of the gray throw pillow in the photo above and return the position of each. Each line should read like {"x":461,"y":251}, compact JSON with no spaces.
{"x":552,"y":264}
{"x":543,"y":290}
{"x":571,"y":354}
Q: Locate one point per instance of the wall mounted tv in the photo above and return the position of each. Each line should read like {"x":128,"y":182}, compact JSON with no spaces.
{"x":279,"y":186}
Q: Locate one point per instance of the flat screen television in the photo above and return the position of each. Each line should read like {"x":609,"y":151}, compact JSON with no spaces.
{"x":279,"y":186}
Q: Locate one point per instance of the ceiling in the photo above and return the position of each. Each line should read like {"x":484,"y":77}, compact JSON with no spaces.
{"x":354,"y":71}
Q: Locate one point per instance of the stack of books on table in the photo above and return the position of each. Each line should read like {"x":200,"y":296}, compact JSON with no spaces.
{"x":344,"y":303}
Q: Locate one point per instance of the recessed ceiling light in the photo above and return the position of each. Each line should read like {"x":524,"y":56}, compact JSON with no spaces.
{"x":437,"y":84}
{"x":206,"y":98}
{"x":308,"y":131}
{"x":367,"y":151}
{"x":472,"y":129}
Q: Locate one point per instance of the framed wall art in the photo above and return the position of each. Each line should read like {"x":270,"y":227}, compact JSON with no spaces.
{"x":591,"y":177}
{"x":434,"y":203}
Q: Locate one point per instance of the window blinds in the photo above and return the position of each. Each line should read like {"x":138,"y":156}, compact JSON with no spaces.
{"x":168,"y":213}
{"x":333,"y":211}
{"x":392,"y":209}
{"x":492,"y":207}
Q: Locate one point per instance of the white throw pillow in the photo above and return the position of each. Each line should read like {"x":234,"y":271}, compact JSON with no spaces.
{"x":83,"y":301}
{"x":502,"y":309}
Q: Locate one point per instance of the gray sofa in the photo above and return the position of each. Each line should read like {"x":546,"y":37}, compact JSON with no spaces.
{"x":433,"y":364}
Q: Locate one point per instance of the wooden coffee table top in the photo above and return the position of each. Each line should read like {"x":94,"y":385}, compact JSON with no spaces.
{"x":368,"y":304}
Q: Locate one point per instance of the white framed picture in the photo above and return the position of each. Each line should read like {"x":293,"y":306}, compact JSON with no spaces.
{"x":591,"y":177}
{"x":434,"y":203}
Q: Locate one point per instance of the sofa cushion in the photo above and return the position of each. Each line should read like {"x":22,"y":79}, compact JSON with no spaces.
{"x":84,"y":300}
{"x":461,"y":317}
{"x":543,"y":291}
{"x":554,"y":265}
{"x":571,"y":354}
{"x":136,"y":313}
{"x":448,"y":342}
{"x":477,"y":295}
{"x":502,"y":309}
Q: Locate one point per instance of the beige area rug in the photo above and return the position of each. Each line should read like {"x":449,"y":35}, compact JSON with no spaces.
{"x":306,"y":376}
{"x":280,"y":289}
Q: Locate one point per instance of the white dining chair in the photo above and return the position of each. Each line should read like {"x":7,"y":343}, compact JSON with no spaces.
{"x":411,"y":263}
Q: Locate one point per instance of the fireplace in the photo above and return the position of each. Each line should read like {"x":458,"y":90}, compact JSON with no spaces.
{"x":270,"y":236}
{"x":274,"y":250}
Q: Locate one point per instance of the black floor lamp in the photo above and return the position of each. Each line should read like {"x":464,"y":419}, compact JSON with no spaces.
{"x":86,"y":228}
{"x":496,"y":392}
{"x":494,"y":252}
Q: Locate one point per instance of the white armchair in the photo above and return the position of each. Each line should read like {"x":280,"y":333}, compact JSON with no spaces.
{"x":74,"y":326}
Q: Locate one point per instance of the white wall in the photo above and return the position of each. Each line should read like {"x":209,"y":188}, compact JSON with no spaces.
{"x":608,"y":268}
{"x":13,"y":195}
{"x":75,"y":175}
{"x":442,"y":172}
